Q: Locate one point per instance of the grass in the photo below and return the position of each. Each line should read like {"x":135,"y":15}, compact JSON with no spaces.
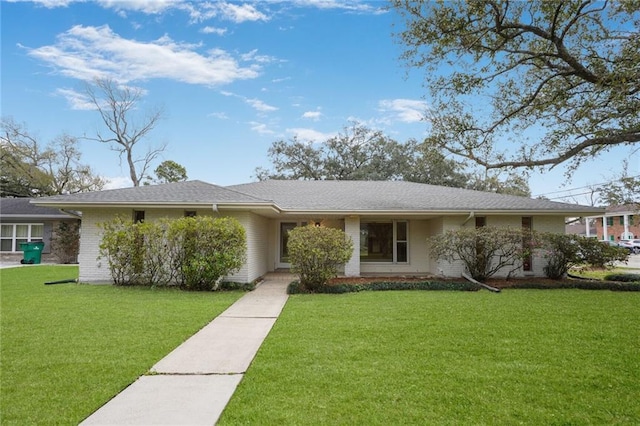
{"x":599,"y":274}
{"x":67,"y":349}
{"x":531,"y":357}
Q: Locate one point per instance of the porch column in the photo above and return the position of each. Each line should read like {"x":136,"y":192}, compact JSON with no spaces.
{"x":352,"y":229}
{"x":605,"y":235}
{"x":588,"y":228}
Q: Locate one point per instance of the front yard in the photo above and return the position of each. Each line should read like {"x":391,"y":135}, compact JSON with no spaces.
{"x":396,"y":357}
{"x":422,"y":357}
{"x":68,"y":348}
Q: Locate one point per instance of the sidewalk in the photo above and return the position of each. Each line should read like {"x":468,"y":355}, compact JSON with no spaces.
{"x":193,"y":384}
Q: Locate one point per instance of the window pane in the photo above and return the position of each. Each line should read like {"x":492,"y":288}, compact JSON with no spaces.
{"x":376,"y":242}
{"x":18,"y":241}
{"x":401,"y":231}
{"x":37,"y":231}
{"x":7,"y":231}
{"x":5,"y":245}
{"x":402,"y":252}
{"x":22,"y":230}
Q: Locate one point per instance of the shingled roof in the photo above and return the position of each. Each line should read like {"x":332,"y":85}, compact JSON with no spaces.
{"x":393,"y":196}
{"x":23,"y":208}
{"x":322,"y":196}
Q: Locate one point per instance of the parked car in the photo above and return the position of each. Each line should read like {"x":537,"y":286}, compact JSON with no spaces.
{"x":617,"y":244}
{"x":633,"y":245}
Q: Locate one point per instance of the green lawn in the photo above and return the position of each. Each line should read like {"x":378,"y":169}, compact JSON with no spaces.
{"x":66,"y":349}
{"x":535,"y":357}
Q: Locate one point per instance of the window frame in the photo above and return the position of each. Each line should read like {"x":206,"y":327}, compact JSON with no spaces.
{"x":15,"y":246}
{"x":395,"y":242}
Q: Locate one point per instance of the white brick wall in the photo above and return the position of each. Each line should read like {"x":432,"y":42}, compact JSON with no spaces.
{"x":352,"y":229}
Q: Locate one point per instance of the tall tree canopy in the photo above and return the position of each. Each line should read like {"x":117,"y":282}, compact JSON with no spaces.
{"x":168,"y":171}
{"x":118,"y":107}
{"x":31,"y":168}
{"x":559,"y":80}
{"x":360,"y":153}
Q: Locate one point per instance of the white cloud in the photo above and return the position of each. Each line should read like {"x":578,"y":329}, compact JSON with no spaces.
{"x":117,"y":182}
{"x":145,"y":6}
{"x":310,"y":135}
{"x":261,"y":128}
{"x":77,"y":100}
{"x":220,"y":115}
{"x":239,"y":13}
{"x":312,"y":115}
{"x":349,"y":5}
{"x":260,"y":105}
{"x":405,"y":110}
{"x":86,"y":53}
{"x":213,"y":30}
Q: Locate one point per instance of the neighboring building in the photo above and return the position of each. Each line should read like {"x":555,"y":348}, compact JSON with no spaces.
{"x":617,"y":223}
{"x":21,"y":221}
{"x":389,"y":222}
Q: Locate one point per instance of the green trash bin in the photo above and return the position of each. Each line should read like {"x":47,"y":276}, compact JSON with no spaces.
{"x":32,"y":252}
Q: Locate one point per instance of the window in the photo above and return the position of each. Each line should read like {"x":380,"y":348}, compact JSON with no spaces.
{"x":610,"y":221}
{"x":384,"y":242}
{"x":621,"y":220}
{"x":12,"y":234}
{"x":138,"y":216}
{"x":189,"y":213}
{"x":481,"y":221}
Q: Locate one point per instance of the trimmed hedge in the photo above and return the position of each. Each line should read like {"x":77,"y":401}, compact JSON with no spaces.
{"x":296,"y":288}
{"x":626,"y":278}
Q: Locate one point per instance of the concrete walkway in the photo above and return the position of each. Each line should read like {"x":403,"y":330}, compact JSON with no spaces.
{"x":193,"y":384}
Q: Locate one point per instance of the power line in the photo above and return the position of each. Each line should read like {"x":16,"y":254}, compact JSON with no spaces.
{"x":583,"y":187}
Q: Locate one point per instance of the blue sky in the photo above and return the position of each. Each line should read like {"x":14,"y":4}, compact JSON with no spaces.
{"x":232,"y":77}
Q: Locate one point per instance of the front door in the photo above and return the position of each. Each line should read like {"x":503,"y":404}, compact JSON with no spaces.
{"x":283,"y":252}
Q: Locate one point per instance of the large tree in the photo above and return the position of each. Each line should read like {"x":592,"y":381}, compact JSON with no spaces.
{"x":527,"y":83}
{"x":125,"y":128}
{"x":168,"y":171}
{"x":360,"y":153}
{"x":31,"y":168}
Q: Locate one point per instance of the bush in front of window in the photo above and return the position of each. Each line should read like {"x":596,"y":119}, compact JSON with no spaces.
{"x":65,"y":242}
{"x":484,"y":251}
{"x":316,"y":253}
{"x":192,"y":252}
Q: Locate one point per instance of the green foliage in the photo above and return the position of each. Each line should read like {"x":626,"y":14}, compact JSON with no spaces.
{"x":360,"y":153}
{"x":484,"y":251}
{"x":206,"y":249}
{"x":65,"y":242}
{"x":168,"y":171}
{"x":565,"y":73}
{"x":627,"y":278}
{"x":316,"y":252}
{"x":561,"y":251}
{"x":296,"y":288}
{"x":193,"y":252}
{"x":600,"y":254}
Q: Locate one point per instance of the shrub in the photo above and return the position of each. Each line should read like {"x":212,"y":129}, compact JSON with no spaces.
{"x":120,"y":246}
{"x":316,"y":252}
{"x":485,"y":250}
{"x":65,"y":242}
{"x":205,"y":249}
{"x":295,"y":287}
{"x":195,"y":253}
{"x":561,"y":252}
{"x":601,"y":255}
{"x":626,"y":278}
